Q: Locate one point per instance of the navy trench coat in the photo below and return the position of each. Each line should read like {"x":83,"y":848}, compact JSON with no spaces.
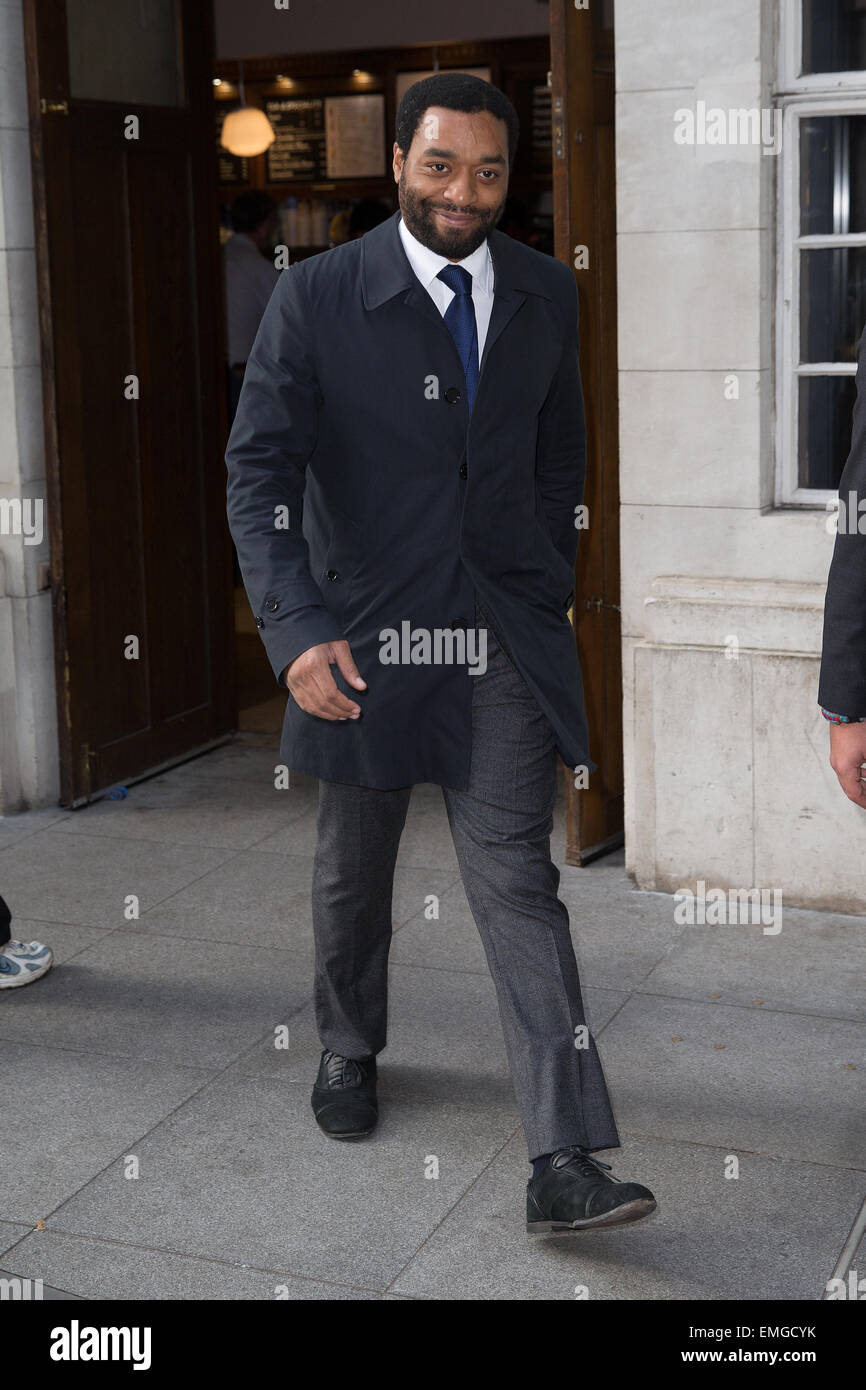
{"x":361,"y":496}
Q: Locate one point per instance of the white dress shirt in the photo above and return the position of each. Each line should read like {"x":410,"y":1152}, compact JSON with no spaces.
{"x":427,"y":265}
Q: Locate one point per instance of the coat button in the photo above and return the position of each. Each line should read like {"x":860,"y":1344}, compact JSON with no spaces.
{"x":272,"y":605}
{"x":260,"y":622}
{"x":458,"y":623}
{"x":452,"y":395}
{"x":463,"y":470}
{"x":333,"y":574}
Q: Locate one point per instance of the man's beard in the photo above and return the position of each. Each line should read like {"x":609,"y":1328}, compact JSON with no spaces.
{"x":454,"y":242}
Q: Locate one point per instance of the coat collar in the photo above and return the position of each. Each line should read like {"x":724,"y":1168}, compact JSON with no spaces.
{"x":386,"y":272}
{"x":386,"y":269}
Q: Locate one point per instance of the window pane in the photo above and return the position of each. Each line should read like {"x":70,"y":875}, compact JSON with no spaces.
{"x":826,"y":403}
{"x":832,"y":303}
{"x":834,"y":36}
{"x":124,"y":50}
{"x":832,"y":174}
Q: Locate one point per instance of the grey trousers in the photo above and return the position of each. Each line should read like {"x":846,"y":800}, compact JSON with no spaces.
{"x":500,"y":827}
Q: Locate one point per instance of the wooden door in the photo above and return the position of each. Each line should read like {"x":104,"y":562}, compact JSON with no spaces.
{"x":121,"y":118}
{"x":582,"y":79}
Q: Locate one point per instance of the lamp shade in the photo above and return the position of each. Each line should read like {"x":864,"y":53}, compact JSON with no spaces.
{"x":247,"y":131}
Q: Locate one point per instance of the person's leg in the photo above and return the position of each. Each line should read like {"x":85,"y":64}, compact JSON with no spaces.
{"x":359,"y":831}
{"x":501,"y":827}
{"x":21,"y":962}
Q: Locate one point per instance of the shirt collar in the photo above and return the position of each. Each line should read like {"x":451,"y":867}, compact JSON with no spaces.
{"x":427,"y":264}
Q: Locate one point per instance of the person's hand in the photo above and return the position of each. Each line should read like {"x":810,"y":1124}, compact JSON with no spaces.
{"x":313,"y":687}
{"x":847,"y":752}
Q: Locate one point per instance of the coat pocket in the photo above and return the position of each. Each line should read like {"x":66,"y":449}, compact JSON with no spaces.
{"x":341,"y":565}
{"x":558,"y":575}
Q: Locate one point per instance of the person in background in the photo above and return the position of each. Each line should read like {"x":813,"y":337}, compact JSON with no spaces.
{"x":842,"y":682}
{"x":338,"y":228}
{"x":250,"y":276}
{"x":20,"y":962}
{"x":516,"y":222}
{"x":364,"y":216}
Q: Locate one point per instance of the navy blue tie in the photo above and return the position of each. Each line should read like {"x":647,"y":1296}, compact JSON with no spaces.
{"x":460,"y":318}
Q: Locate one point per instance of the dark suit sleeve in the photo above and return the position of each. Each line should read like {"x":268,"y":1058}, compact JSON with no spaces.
{"x":560,"y":468}
{"x":842,"y":685}
{"x":272,"y":439}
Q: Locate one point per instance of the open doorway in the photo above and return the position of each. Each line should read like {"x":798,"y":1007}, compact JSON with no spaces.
{"x":323,"y":183}
{"x":157,"y":655}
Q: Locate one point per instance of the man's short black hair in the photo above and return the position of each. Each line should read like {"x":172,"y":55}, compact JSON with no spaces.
{"x":249,"y":211}
{"x":456,"y":91}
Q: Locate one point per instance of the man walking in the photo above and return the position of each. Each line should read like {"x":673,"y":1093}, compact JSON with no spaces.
{"x":404,"y":469}
{"x":842,"y":684}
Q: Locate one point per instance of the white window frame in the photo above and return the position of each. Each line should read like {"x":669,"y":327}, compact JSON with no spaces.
{"x":824,"y":94}
{"x":791,"y":53}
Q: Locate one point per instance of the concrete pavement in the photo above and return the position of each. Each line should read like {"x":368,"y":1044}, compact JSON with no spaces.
{"x":156,"y":1118}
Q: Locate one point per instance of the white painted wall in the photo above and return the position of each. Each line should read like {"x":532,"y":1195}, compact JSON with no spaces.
{"x":726,"y":770}
{"x":28,"y":724}
{"x":310,"y":26}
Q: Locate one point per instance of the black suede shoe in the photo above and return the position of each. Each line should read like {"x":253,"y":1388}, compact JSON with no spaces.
{"x":573,"y":1193}
{"x":344,"y":1096}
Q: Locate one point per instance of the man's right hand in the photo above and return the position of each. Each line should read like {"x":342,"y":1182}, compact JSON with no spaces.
{"x":313,"y":687}
{"x":847,"y":754}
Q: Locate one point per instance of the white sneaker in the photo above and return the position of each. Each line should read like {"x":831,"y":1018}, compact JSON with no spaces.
{"x":21,"y":963}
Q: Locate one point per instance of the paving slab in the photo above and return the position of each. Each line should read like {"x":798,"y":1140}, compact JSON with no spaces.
{"x":10,"y":1234}
{"x":815,"y":964}
{"x":264,"y":899}
{"x":182,"y":809}
{"x":19,"y":827}
{"x":789,"y":1085}
{"x":106,"y":1269}
{"x":620,"y":933}
{"x":255,"y":900}
{"x":160,"y":999}
{"x":444,"y":1037}
{"x":247,"y":759}
{"x":74,"y":1112}
{"x":240,"y":1173}
{"x":774,"y":1232}
{"x":157,"y":1038}
{"x":425,"y":842}
{"x":65,"y":939}
{"x":57,"y":875}
{"x":617,"y":940}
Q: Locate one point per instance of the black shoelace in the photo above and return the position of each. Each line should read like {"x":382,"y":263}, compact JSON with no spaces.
{"x":584,"y":1163}
{"x":342,"y":1071}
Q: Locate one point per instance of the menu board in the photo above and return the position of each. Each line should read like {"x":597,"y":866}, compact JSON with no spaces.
{"x":319,"y":138}
{"x":355,"y":132}
{"x":233,"y":168}
{"x":298,"y":154}
{"x":542,"y":132}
